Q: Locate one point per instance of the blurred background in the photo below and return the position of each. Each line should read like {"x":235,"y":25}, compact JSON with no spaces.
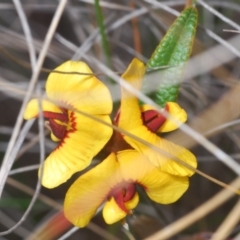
{"x":209,"y":93}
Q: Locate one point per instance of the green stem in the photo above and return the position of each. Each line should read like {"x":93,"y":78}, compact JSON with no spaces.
{"x":105,"y":43}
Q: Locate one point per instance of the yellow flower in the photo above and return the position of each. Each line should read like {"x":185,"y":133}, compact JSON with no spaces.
{"x":131,"y":163}
{"x":80,"y":138}
{"x":131,"y":120}
{"x":114,"y":181}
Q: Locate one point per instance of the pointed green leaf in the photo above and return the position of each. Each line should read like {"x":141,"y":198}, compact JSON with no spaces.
{"x":173,"y":51}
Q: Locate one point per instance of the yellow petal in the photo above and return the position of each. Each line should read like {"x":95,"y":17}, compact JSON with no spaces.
{"x":54,"y":138}
{"x":165,"y":163}
{"x":132,"y":203}
{"x":128,"y":160}
{"x":112,"y":212}
{"x":82,"y":92}
{"x":90,"y":190}
{"x":32,"y":108}
{"x":160,"y":187}
{"x":175,"y":110}
{"x":134,"y":74}
{"x":76,"y":150}
{"x":168,"y":188}
{"x":130,"y":116}
{"x":146,"y":107}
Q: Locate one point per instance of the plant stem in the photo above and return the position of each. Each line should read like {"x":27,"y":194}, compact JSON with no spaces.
{"x":105,"y":43}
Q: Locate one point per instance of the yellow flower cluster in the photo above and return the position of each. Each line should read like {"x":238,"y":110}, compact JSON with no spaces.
{"x":129,"y":162}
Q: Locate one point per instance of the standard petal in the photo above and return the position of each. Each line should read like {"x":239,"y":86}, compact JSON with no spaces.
{"x":32,"y":108}
{"x":177,"y":112}
{"x":128,"y":160}
{"x":89,"y":191}
{"x":165,"y":163}
{"x":160,"y":187}
{"x":112,"y":212}
{"x":130,"y":115}
{"x":82,"y":92}
{"x":82,"y":142}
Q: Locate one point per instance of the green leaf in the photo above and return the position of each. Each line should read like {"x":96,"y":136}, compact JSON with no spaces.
{"x":172,"y":53}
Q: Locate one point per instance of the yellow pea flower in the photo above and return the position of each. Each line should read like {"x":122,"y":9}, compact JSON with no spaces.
{"x":80,"y":138}
{"x":114,"y":181}
{"x":131,"y":120}
{"x":131,"y":163}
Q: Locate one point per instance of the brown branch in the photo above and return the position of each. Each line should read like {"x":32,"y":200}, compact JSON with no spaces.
{"x":136,"y":32}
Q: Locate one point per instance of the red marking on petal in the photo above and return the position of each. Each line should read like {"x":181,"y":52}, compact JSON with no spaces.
{"x":148,"y":116}
{"x":124,"y":193}
{"x":64,"y":110}
{"x":118,"y":197}
{"x":59,"y":116}
{"x":72,"y":121}
{"x":129,"y":192}
{"x":72,"y":127}
{"x":153,"y":120}
{"x":58,"y":130}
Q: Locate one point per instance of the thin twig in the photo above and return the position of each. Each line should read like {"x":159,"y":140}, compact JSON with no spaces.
{"x":220,"y":15}
{"x":27,"y":32}
{"x":228,"y":224}
{"x":38,"y":186}
{"x":196,"y":214}
{"x":5,"y":168}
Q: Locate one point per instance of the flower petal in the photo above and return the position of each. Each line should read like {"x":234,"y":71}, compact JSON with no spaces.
{"x":165,"y":163}
{"x":83,"y":92}
{"x":132,"y":203}
{"x":130,"y":116}
{"x":165,"y":188}
{"x":54,"y":138}
{"x":76,"y":149}
{"x":160,"y":187}
{"x":175,"y":110}
{"x":89,"y":191}
{"x":112,"y":212}
{"x":32,"y":108}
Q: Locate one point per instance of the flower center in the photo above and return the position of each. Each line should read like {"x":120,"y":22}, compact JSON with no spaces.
{"x":117,"y":143}
{"x":124,"y":194}
{"x":153,"y":120}
{"x":58,"y":122}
